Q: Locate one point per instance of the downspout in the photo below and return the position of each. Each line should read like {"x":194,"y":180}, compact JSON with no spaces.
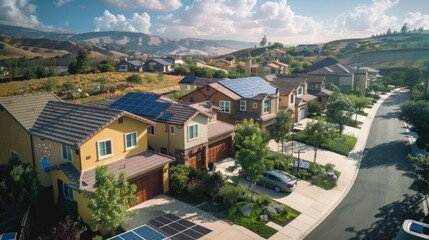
{"x":32,"y":151}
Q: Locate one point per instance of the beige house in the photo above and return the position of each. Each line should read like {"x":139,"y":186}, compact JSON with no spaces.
{"x":274,"y":53}
{"x":269,"y":67}
{"x":190,"y":83}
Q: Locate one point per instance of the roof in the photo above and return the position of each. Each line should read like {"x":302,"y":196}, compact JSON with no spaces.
{"x":253,"y":115}
{"x":248,"y":87}
{"x":206,"y":107}
{"x":136,"y":63}
{"x":188,"y":79}
{"x":307,"y":97}
{"x":321,"y":64}
{"x":226,"y":91}
{"x":155,"y":107}
{"x":199,"y":81}
{"x":132,"y":167}
{"x":218,"y":128}
{"x":27,"y":108}
{"x":336,"y":69}
{"x":325,"y":92}
{"x":161,"y":61}
{"x":74,"y":124}
{"x":71,"y":173}
{"x":287,"y":85}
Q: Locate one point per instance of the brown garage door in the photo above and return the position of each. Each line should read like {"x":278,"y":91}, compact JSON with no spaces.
{"x":220,"y":150}
{"x":148,"y":186}
{"x":196,"y":160}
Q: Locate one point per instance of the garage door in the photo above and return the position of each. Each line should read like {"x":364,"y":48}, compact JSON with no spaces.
{"x":148,"y":186}
{"x":196,"y":160}
{"x":220,"y":150}
{"x":301,"y":113}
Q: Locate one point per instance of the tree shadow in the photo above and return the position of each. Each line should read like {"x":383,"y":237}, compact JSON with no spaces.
{"x":390,"y":218}
{"x":384,"y":155}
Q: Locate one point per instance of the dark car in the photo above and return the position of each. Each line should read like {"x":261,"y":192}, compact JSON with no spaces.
{"x":278,"y":180}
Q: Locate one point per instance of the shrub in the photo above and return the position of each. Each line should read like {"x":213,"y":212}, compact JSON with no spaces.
{"x":134,"y":79}
{"x":149,"y":78}
{"x":231,"y":194}
{"x":178,"y":177}
{"x":213,"y":183}
{"x":194,"y":187}
{"x":49,"y":84}
{"x":68,"y":86}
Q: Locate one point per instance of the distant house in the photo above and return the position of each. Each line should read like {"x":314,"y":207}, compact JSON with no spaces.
{"x":316,"y":85}
{"x":223,"y":63}
{"x":161,"y":65}
{"x":274,"y":53}
{"x":365,"y":76}
{"x":334,"y":72}
{"x":4,"y":72}
{"x":239,"y":99}
{"x":129,"y":66}
{"x":308,"y":48}
{"x":190,"y":83}
{"x":269,"y":67}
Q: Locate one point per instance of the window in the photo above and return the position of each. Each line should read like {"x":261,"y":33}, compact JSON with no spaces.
{"x":130,"y":140}
{"x":292,"y":98}
{"x":255,"y":105}
{"x":120,"y":120}
{"x":242,"y":105}
{"x":300,"y":90}
{"x":187,"y":87}
{"x":172,"y":130}
{"x":192,"y":132}
{"x":67,"y":153}
{"x":104,"y":149}
{"x":67,"y":192}
{"x":13,"y":155}
{"x":151,"y":130}
{"x":225,"y":106}
{"x":266,"y":105}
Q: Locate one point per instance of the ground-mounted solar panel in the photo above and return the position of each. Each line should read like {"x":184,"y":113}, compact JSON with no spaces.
{"x":149,"y":233}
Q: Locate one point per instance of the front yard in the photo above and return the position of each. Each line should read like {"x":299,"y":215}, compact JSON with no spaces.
{"x":339,"y":144}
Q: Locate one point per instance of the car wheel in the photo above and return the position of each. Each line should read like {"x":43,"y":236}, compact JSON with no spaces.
{"x":248,"y":178}
{"x":277,"y":189}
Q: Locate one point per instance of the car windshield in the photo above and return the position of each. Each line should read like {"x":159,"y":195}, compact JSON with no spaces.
{"x":286,"y":176}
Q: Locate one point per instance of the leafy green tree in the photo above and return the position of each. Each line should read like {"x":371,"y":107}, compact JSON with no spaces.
{"x":313,"y":108}
{"x":358,"y":104}
{"x":19,"y":184}
{"x":278,"y":45}
{"x":252,"y":143}
{"x":412,"y":77}
{"x":230,"y":57}
{"x":49,"y":84}
{"x":404,"y":28}
{"x":317,"y":135}
{"x":110,"y":201}
{"x":422,"y":163}
{"x":263,"y":41}
{"x":80,"y":64}
{"x":219,"y":74}
{"x":41,"y":72}
{"x":280,"y":129}
{"x":29,"y":74}
{"x":416,"y":114}
{"x":339,"y":110}
{"x":134,"y":79}
{"x":105,"y":66}
{"x":182,"y":70}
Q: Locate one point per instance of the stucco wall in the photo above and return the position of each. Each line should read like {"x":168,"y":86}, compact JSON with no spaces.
{"x":164,"y":139}
{"x":202,"y":122}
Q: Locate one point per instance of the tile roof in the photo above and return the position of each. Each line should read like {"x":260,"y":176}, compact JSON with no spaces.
{"x":328,"y":66}
{"x":161,"y":61}
{"x":188,"y":79}
{"x":27,"y":108}
{"x":132,"y":167}
{"x":307,"y":97}
{"x":71,"y":173}
{"x":321,"y":64}
{"x":325,"y":92}
{"x":218,"y":128}
{"x":199,"y":81}
{"x":74,"y":124}
{"x":226,"y":91}
{"x":286,"y":86}
{"x":248,"y":87}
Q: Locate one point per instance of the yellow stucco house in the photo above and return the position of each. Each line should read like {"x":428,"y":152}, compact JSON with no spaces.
{"x":70,"y":140}
{"x":17,"y":115}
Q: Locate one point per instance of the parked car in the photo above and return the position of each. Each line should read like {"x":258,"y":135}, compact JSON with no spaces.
{"x":412,"y":229}
{"x":278,"y":180}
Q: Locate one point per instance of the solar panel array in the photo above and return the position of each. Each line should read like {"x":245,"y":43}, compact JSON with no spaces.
{"x":143,"y":232}
{"x":188,"y":79}
{"x":144,"y":104}
{"x":165,"y":116}
{"x":177,"y":228}
{"x":248,"y":87}
{"x":8,"y":236}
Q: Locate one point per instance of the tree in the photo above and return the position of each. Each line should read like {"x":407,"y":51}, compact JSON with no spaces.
{"x":416,"y":114}
{"x":41,"y":72}
{"x":49,"y":84}
{"x":68,"y":229}
{"x":219,"y":74}
{"x":339,"y":110}
{"x":68,"y":86}
{"x":420,"y":30}
{"x":358,"y":103}
{"x":422,"y":163}
{"x":182,"y":70}
{"x":19,"y":184}
{"x":80,"y":64}
{"x":317,"y":135}
{"x":404,"y":28}
{"x":412,"y":77}
{"x":278,"y":45}
{"x":389,"y":31}
{"x":252,"y":142}
{"x":105,"y":66}
{"x":280,"y":129}
{"x":134,"y":79}
{"x":313,"y":108}
{"x":263,"y":41}
{"x":29,"y":74}
{"x":110,"y":201}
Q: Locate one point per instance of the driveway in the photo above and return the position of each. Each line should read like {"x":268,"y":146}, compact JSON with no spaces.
{"x":162,"y":204}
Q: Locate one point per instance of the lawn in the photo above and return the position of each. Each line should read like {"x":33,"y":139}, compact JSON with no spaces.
{"x":340,"y":144}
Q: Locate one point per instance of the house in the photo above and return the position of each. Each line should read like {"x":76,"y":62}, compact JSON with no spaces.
{"x":161,"y":65}
{"x":223,"y":63}
{"x":316,"y":85}
{"x":334,"y":72}
{"x":365,"y":76}
{"x":190,"y":83}
{"x":4,"y":72}
{"x":269,"y":67}
{"x":189,"y":132}
{"x":17,"y":115}
{"x":129,"y":66}
{"x":274,"y":53}
{"x":71,"y":140}
{"x":293,"y":96}
{"x":238,"y":99}
{"x":308,"y":48}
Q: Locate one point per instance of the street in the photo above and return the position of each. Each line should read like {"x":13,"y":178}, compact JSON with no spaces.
{"x":383,"y":194}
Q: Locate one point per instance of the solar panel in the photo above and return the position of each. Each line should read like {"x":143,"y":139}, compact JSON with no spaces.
{"x":165,"y":116}
{"x":8,"y":236}
{"x":248,"y":87}
{"x":188,"y":79}
{"x":148,"y":233}
{"x":145,"y":104}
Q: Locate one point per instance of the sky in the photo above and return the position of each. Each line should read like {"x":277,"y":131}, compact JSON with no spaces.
{"x":286,"y":21}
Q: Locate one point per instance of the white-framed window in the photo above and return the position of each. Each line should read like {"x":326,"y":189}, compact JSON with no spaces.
{"x":242,"y":105}
{"x":292,"y":99}
{"x":130,"y":140}
{"x":266,"y":105}
{"x":300,"y":90}
{"x":255,"y":105}
{"x":225,"y":106}
{"x":172,"y":130}
{"x":192,"y":132}
{"x":105,"y":149}
{"x":67,"y":153}
{"x":187,"y":87}
{"x":151,"y":130}
{"x":67,"y":192}
{"x":322,"y":85}
{"x":14,"y":155}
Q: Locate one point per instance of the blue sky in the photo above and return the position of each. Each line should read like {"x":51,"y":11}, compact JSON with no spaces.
{"x":286,"y":21}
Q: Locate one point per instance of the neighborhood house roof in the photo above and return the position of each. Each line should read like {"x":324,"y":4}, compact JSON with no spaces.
{"x":248,"y":87}
{"x":188,"y":79}
{"x":74,"y":124}
{"x":27,"y":108}
{"x":226,"y":91}
{"x":219,"y":128}
{"x":199,"y":81}
{"x":162,"y":61}
{"x":135,"y":63}
{"x":286,"y":86}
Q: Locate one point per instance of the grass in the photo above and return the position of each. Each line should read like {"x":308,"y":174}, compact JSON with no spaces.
{"x":339,"y":144}
{"x":87,"y":82}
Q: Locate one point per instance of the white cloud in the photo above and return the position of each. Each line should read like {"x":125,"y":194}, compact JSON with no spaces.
{"x":21,"y":13}
{"x":59,"y":3}
{"x":111,"y":22}
{"x":154,"y":5}
{"x":367,"y":19}
{"x":416,"y":20}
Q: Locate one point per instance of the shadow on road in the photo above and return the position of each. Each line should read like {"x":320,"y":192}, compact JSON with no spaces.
{"x":390,"y":218}
{"x":387,"y":154}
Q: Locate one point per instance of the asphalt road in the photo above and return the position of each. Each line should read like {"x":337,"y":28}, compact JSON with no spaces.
{"x":383,"y":194}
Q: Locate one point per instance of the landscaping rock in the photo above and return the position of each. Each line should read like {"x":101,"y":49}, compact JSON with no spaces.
{"x":270,"y":210}
{"x":263,"y":218}
{"x":279,"y":208}
{"x":246,"y":209}
{"x":331,"y":177}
